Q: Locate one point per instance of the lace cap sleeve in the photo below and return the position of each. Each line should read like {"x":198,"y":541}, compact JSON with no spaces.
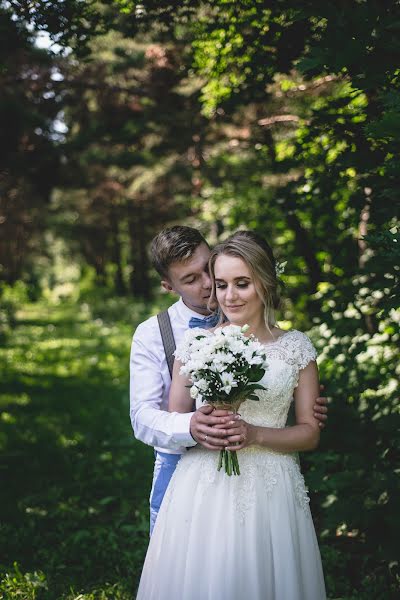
{"x":306,"y":350}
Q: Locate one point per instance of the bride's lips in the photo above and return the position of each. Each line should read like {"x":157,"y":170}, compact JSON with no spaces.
{"x":234,"y":307}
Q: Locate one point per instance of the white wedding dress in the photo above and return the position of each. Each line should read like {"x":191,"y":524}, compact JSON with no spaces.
{"x":245,"y":537}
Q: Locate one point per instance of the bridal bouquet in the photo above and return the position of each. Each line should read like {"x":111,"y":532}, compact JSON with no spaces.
{"x":224,"y":368}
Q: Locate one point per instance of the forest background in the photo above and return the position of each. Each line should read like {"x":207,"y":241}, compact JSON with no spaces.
{"x":118,"y":118}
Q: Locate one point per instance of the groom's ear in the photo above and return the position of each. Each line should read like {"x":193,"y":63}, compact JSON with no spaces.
{"x":166,"y":285}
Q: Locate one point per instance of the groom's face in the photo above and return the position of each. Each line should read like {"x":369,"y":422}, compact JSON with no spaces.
{"x":190,"y":280}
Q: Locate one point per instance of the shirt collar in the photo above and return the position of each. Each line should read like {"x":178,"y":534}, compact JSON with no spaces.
{"x":186,"y":313}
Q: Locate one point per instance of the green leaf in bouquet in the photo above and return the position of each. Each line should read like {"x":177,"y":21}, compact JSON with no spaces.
{"x":255,"y":386}
{"x":257,"y":373}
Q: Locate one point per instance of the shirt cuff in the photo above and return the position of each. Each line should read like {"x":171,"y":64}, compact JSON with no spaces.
{"x":181,"y":429}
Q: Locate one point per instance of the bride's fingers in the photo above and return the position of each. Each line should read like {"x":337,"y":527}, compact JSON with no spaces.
{"x":209,"y":429}
{"x":214,"y":421}
{"x":208,"y":436}
{"x":236,"y":447}
{"x":210,"y":445}
{"x":236,"y":438}
{"x":220,"y":413}
{"x":207,"y":409}
{"x":228,"y":425}
{"x":234,"y":429}
{"x":207,"y":440}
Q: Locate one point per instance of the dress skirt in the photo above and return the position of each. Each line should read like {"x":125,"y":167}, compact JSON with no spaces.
{"x":245,"y":537}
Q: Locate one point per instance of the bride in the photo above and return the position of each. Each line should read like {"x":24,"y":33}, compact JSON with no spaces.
{"x":220,"y":537}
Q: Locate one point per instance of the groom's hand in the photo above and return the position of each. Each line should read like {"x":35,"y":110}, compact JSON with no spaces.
{"x":320,"y":409}
{"x":203,"y":427}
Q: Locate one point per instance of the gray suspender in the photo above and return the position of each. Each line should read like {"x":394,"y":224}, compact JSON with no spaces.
{"x":168,"y":341}
{"x":167,"y":337}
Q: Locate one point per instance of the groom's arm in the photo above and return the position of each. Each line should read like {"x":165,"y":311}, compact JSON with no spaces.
{"x":151,"y":423}
{"x":320,"y":410}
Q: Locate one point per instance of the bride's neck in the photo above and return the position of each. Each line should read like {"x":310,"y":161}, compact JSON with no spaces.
{"x":259,"y":329}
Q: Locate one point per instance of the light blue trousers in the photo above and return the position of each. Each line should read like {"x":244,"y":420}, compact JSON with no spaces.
{"x":164,"y":467}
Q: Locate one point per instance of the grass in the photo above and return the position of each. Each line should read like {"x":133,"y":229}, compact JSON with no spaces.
{"x":74,"y":482}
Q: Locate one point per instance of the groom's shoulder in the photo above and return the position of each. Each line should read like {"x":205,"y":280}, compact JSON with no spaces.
{"x":147,"y":329}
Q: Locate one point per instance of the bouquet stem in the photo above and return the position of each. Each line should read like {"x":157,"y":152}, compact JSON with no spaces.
{"x":228,"y":458}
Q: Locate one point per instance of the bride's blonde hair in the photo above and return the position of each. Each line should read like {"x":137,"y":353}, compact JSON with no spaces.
{"x":258,"y":256}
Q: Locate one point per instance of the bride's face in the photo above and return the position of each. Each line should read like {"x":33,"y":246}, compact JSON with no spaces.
{"x":236,"y":291}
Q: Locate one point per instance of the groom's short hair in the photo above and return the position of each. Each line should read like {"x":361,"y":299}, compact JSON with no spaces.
{"x":174,"y":244}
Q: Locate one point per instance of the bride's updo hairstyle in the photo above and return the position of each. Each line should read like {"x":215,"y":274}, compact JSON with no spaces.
{"x":258,"y":256}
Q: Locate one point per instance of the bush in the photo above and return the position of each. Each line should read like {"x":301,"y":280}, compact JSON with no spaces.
{"x":22,"y":586}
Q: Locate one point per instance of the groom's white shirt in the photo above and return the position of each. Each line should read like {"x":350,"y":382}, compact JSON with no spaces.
{"x":150,"y":382}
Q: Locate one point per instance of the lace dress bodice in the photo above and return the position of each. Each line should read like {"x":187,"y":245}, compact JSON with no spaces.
{"x":290,"y":353}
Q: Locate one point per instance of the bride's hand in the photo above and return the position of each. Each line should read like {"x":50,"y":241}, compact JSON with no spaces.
{"x":208,"y":427}
{"x":240,"y":434}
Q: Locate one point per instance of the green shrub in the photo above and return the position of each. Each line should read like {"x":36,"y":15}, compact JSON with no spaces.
{"x":22,"y":586}
{"x":108,"y":592}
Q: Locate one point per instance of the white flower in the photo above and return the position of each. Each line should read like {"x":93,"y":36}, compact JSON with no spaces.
{"x":229,"y":359}
{"x":202,"y":385}
{"x":219,"y":362}
{"x":248,"y":354}
{"x":280,"y":267}
{"x":185,"y":370}
{"x":219,"y":356}
{"x":232,"y":331}
{"x":228,"y":378}
{"x":256,"y":360}
{"x":219,"y":343}
{"x":194,"y":392}
{"x":218,"y":365}
{"x":196,"y":365}
{"x":189,"y":342}
{"x":237,"y":346}
{"x":228,"y":381}
{"x":256,"y":345}
{"x":219,"y":333}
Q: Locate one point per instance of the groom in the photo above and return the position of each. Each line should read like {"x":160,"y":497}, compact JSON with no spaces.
{"x":180,"y":255}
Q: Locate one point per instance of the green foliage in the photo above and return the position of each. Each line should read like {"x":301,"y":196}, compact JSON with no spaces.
{"x":11,"y":298}
{"x":354,"y":474}
{"x":26,"y":586}
{"x":108,"y":592}
{"x":69,"y":458}
{"x":70,"y":23}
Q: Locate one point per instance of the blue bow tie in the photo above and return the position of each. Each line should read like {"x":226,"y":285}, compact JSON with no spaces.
{"x":206,"y":323}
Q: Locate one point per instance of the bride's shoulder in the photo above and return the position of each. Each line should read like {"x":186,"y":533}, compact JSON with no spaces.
{"x":295,"y":336}
{"x":295,"y":333}
{"x":301,"y":346}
